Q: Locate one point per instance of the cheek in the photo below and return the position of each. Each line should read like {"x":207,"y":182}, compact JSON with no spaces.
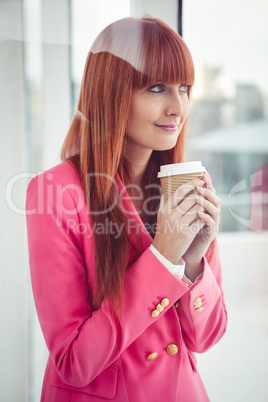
{"x":134,"y":121}
{"x":141,"y":114}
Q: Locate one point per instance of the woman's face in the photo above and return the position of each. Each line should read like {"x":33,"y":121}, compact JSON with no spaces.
{"x":157,"y":114}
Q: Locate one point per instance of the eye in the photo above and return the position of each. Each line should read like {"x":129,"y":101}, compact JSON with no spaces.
{"x":184,"y":88}
{"x":156,"y":88}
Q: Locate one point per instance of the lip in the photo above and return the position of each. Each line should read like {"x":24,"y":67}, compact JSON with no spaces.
{"x":171,"y":128}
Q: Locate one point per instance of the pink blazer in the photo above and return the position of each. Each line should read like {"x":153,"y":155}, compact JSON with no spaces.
{"x":96,"y":356}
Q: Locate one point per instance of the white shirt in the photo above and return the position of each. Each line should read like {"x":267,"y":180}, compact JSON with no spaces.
{"x":177,"y":270}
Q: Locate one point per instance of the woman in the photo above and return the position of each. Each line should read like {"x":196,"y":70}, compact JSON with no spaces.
{"x":123,"y":296}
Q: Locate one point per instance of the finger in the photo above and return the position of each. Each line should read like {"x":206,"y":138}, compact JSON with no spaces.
{"x":193,"y":228}
{"x":184,"y":206}
{"x":197,"y":225}
{"x":207,"y":219}
{"x":183,"y":191}
{"x":162,"y":202}
{"x":191,"y":216}
{"x":208,"y":183}
{"x":209,"y":195}
{"x":211,"y":209}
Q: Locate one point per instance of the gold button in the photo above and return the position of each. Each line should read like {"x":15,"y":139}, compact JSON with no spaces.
{"x":172,"y":349}
{"x":152,"y":356}
{"x":159,"y":308}
{"x":198,"y":310}
{"x":165,"y":302}
{"x":155,"y":313}
{"x":197,"y":305}
{"x":198,"y":300}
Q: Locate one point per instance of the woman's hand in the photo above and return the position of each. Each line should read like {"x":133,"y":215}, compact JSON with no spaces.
{"x":208,"y":199}
{"x":178,"y":222}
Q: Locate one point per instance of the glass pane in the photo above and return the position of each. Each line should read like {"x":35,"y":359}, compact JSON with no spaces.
{"x":228,"y":125}
{"x":88,"y":19}
{"x":228,"y":132}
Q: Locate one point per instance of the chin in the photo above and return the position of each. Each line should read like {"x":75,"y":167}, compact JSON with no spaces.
{"x":165,"y":147}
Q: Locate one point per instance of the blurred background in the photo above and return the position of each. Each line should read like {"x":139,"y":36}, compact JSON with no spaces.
{"x":43,"y":48}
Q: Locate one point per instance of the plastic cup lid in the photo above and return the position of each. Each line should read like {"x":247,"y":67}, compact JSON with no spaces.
{"x":181,"y":168}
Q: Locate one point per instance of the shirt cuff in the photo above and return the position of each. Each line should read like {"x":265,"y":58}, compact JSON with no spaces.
{"x":177,"y":270}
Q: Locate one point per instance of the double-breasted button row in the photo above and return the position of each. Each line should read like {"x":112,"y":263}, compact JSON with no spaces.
{"x":198,"y":304}
{"x":160,"y":307}
{"x":171,"y":349}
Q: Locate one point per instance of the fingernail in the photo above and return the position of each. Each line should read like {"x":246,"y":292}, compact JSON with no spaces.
{"x":201,"y":183}
{"x":200,"y":189}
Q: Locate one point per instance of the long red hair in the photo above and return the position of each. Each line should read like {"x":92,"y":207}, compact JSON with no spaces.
{"x":128,"y":54}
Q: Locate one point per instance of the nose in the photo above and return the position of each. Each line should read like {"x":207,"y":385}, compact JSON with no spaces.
{"x":175,"y":105}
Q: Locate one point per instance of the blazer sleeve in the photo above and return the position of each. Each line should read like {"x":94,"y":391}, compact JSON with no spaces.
{"x":83,"y":343}
{"x":202,"y":310}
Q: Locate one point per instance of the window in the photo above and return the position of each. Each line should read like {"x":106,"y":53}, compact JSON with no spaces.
{"x":228,"y":123}
{"x":228,"y":131}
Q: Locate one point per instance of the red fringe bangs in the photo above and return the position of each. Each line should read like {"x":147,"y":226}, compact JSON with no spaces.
{"x":164,"y":58}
